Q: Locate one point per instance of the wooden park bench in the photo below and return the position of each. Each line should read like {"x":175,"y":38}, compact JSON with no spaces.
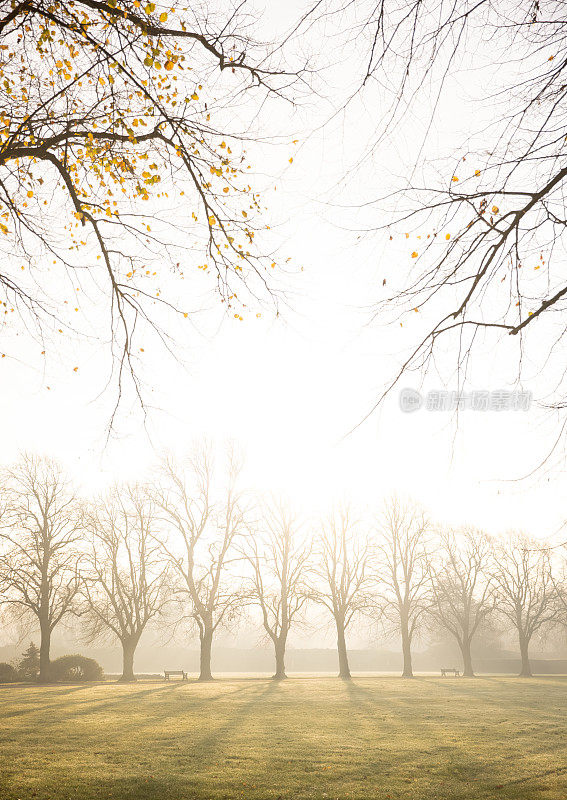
{"x":168,"y":672}
{"x":450,"y":670}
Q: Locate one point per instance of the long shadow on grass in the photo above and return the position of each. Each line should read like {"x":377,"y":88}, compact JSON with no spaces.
{"x":131,"y":700}
{"x":424,"y":742}
{"x":33,"y":698}
{"x":209,"y":743}
{"x":152,"y":742}
{"x":264,"y":754}
{"x":459,"y":763}
{"x":520,"y":693}
{"x":166,"y":711}
{"x":92,"y":704}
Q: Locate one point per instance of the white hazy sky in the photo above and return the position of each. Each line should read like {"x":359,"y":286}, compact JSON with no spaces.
{"x":290,"y":389}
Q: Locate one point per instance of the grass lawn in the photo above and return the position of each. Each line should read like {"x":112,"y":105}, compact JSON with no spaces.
{"x":493,"y":737}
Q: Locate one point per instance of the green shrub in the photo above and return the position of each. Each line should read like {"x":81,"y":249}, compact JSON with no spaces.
{"x":8,"y":673}
{"x":71,"y":669}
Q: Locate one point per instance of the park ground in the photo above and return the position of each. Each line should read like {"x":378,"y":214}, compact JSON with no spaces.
{"x":387,"y":738}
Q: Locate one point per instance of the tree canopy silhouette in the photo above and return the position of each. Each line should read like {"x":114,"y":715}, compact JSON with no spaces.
{"x":478,"y":227}
{"x":122,"y":159}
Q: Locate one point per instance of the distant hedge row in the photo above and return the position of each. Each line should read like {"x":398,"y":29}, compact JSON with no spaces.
{"x":66,"y":669}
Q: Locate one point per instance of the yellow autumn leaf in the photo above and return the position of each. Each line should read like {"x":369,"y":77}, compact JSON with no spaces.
{"x":454,"y":179}
{"x":414,"y":254}
{"x":448,"y":236}
{"x":494,"y":209}
{"x":163,"y":17}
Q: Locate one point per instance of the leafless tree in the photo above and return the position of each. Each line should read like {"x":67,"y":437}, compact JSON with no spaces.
{"x":462,"y":587}
{"x":200,"y":543}
{"x":343,"y":576}
{"x":279,"y":558}
{"x":526,"y":594}
{"x":483,"y":223}
{"x":124,"y":577}
{"x":402,"y":576}
{"x":41,"y":537}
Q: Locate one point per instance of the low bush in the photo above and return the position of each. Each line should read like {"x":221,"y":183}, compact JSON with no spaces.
{"x":8,"y":673}
{"x":75,"y":668}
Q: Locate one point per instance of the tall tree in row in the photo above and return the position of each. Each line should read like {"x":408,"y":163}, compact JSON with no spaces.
{"x":402,"y":575}
{"x":124,"y":578}
{"x":526,"y":594}
{"x":279,"y":559}
{"x":462,"y":588}
{"x":342,"y":570}
{"x":199,"y":543}
{"x":41,"y":535}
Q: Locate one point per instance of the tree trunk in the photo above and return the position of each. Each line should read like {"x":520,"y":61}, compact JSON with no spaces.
{"x":526,"y":671}
{"x":205,"y":673}
{"x":406,"y":650}
{"x":468,"y":671}
{"x":344,"y":669}
{"x":128,"y":650}
{"x":44,"y":648}
{"x":279,"y":646}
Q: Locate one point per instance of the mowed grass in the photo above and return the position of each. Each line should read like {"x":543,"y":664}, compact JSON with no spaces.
{"x":431,"y":738}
